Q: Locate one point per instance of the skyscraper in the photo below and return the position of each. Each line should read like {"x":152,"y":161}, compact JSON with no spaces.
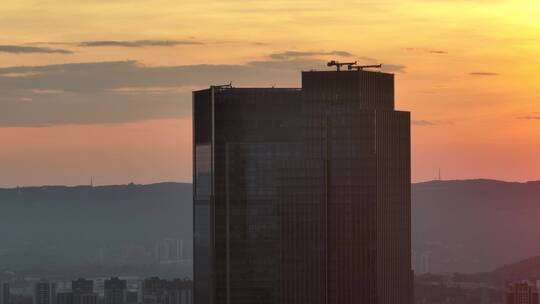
{"x":302,"y":195}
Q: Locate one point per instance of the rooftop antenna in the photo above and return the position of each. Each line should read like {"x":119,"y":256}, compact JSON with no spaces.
{"x":338,"y":64}
{"x":223,"y":86}
{"x":362,"y":67}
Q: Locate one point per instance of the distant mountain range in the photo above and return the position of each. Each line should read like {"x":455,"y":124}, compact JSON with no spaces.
{"x":464,"y":226}
{"x":57,"y":227}
{"x":475,"y":225}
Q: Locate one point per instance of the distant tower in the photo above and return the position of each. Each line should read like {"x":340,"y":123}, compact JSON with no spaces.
{"x":440,"y":177}
{"x":92,"y":181}
{"x":425,"y":262}
{"x":413,"y":261}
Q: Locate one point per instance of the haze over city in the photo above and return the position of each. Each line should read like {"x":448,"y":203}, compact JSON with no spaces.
{"x":102,"y":89}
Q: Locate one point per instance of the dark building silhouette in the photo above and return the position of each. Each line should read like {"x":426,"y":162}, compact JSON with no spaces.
{"x":44,"y":292}
{"x":64,"y":298}
{"x":160,"y":291}
{"x":132,"y":297}
{"x":302,"y":195}
{"x":82,"y":286}
{"x":180,"y":292}
{"x":85,"y":298}
{"x":83,"y":292}
{"x":5,"y":293}
{"x":154,"y":290}
{"x":522,"y":293}
{"x":115,"y":291}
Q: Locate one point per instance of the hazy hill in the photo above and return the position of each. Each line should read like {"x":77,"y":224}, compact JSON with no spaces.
{"x":475,"y":225}
{"x":463,"y":226}
{"x":46,"y":227}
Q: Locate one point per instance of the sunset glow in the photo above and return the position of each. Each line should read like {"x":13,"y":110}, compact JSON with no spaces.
{"x":467,"y":70}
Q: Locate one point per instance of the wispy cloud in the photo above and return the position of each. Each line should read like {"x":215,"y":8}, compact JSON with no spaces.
{"x":299,"y":54}
{"x":307,"y":60}
{"x":429,"y":123}
{"x":112,"y":92}
{"x":530,"y":117}
{"x":393,"y":68}
{"x":22,"y":49}
{"x":122,"y":91}
{"x":427,"y":50}
{"x":483,"y":74}
{"x":423,"y":123}
{"x":137,"y":43}
{"x":438,"y":52}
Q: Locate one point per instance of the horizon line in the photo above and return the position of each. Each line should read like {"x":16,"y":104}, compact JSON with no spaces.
{"x":184,"y":182}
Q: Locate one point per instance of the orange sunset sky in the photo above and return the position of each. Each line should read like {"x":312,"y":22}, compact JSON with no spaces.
{"x":100,"y":88}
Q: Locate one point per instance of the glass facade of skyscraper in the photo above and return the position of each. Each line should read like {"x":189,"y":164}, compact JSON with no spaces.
{"x":302,"y":195}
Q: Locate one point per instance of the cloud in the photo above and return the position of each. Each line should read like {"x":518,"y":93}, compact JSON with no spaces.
{"x":427,"y":50}
{"x":393,"y":68}
{"x":423,"y":123}
{"x":530,"y":117}
{"x":137,"y":43}
{"x":429,"y":123}
{"x":123,"y":91}
{"x":20,"y":49}
{"x":290,"y":64}
{"x":306,"y":60}
{"x":296,"y":54}
{"x":112,"y":92}
{"x":483,"y":74}
{"x":98,"y":76}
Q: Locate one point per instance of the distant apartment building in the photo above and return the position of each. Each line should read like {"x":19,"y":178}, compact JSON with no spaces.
{"x":159,"y":291}
{"x":115,"y":291}
{"x":180,"y":292}
{"x":83,"y":292}
{"x":132,"y":297}
{"x":153,"y":291}
{"x":64,"y":297}
{"x":44,"y":293}
{"x":522,"y":293}
{"x":81,"y":286}
{"x":4,"y":293}
{"x":85,"y":298}
{"x":173,"y":251}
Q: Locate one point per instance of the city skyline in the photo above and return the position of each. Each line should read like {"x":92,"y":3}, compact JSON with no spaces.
{"x":124,"y":115}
